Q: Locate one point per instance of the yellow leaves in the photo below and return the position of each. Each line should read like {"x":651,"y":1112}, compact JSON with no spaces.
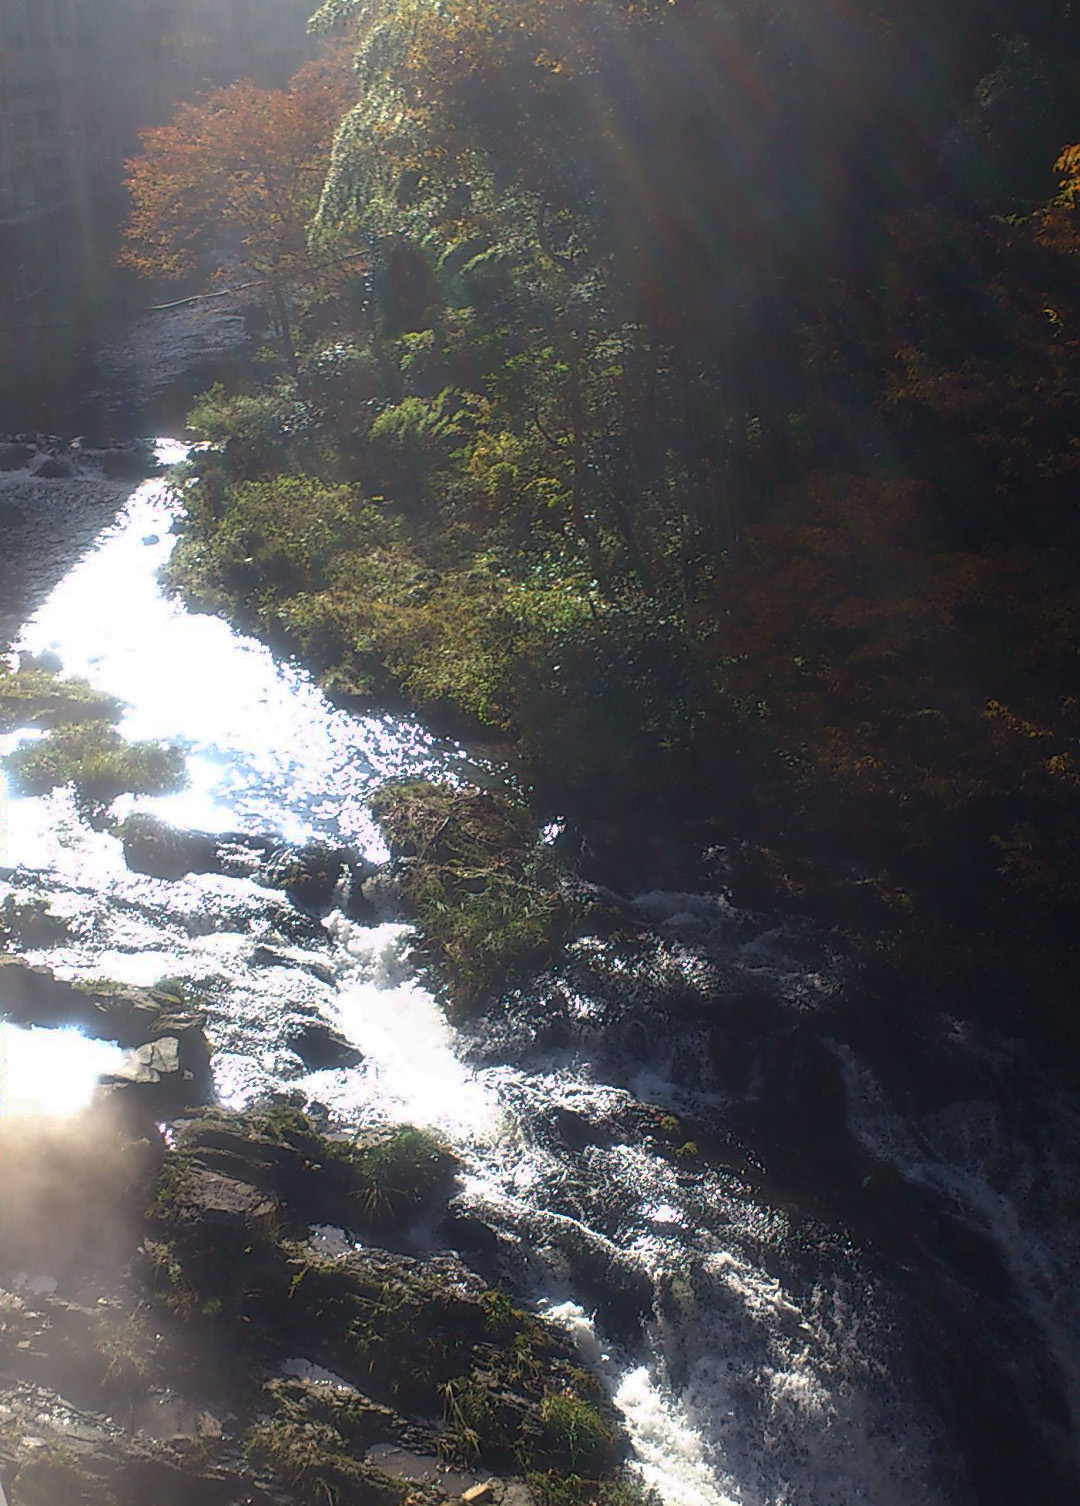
{"x":1057,"y":222}
{"x":1068,"y":164}
{"x":1063,"y":766}
{"x":996,"y":712}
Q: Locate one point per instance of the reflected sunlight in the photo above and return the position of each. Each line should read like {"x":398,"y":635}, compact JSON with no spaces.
{"x":51,"y":1071}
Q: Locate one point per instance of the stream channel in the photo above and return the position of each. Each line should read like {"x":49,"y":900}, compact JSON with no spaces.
{"x":856,"y":1284}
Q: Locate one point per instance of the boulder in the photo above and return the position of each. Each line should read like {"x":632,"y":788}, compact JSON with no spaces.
{"x":129,"y":462}
{"x":50,"y":468}
{"x":315,"y":878}
{"x":31,"y":995}
{"x":165,"y":1074}
{"x":320,"y":1047}
{"x":265,"y":955}
{"x":162,"y":851}
{"x":132,"y":1017}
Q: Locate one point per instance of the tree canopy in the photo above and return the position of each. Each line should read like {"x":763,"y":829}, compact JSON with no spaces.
{"x":712,"y":396}
{"x":232,"y":183}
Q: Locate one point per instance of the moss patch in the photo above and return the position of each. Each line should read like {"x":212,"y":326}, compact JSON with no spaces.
{"x":229,"y":1255}
{"x":98,"y":761}
{"x":313,"y":1460}
{"x":35,"y":697}
{"x":486,"y":894}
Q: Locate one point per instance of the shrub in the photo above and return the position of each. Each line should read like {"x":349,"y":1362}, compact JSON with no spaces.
{"x":576,"y":1436}
{"x":484,"y":891}
{"x":35,"y":697}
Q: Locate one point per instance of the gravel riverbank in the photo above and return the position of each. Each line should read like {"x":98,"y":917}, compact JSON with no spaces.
{"x":45,"y":524}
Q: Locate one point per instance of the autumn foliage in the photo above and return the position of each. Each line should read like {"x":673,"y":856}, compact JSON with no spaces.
{"x":713,"y":394}
{"x":231,"y":185}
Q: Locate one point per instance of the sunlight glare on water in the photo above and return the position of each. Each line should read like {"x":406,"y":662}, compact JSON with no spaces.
{"x":261,"y":741}
{"x":51,"y":1071}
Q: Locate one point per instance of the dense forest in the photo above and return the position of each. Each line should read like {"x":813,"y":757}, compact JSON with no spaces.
{"x":619,"y":1044}
{"x":686,"y":392}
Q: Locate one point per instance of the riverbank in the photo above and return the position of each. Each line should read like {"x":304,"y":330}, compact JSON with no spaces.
{"x":55,"y":499}
{"x":694,"y":1120}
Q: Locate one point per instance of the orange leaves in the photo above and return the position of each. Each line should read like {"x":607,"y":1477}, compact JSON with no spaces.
{"x":236,"y":177}
{"x":1058,"y":221}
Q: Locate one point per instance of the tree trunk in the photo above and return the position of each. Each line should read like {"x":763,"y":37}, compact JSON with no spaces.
{"x":285,"y":331}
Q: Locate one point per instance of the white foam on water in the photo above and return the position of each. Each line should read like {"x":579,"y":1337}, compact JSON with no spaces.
{"x":670,"y":1455}
{"x":411,"y":1071}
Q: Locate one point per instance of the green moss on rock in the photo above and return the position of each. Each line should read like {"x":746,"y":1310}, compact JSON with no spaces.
{"x":32,"y":696}
{"x":485,"y":892}
{"x":418,"y":1335}
{"x":98,"y":761}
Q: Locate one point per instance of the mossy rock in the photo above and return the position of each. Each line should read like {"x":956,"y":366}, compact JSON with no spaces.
{"x":312,"y":1459}
{"x":487,"y":895}
{"x":98,"y":761}
{"x":236,"y":1197}
{"x":35,"y":696}
{"x":228,"y":1250}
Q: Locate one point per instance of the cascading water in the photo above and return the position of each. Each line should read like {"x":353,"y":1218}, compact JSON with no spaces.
{"x":758,"y":1354}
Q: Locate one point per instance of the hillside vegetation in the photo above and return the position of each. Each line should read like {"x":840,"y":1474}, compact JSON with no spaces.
{"x":688,"y":392}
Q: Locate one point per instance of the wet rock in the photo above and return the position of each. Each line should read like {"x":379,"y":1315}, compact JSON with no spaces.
{"x":31,"y":995}
{"x":382,"y":896}
{"x":11,"y":516}
{"x":321,"y":1048}
{"x":27,"y":921}
{"x":577,"y":1130}
{"x":153,"y":847}
{"x":469,"y":1235}
{"x":266,"y":955}
{"x":129,"y":462}
{"x":133,"y":1017}
{"x":318,"y":878}
{"x":167,"y":1074}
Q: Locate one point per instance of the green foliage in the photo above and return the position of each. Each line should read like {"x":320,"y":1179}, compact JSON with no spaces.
{"x":472,"y":1421}
{"x":484,"y":891}
{"x":35,"y":697}
{"x":259,"y":434}
{"x":401,"y":1174}
{"x":98,"y":761}
{"x":314,"y":1461}
{"x":555,"y":1489}
{"x":712,"y":521}
{"x":575,"y":1433}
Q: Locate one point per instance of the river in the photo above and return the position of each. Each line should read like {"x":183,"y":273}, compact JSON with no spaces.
{"x":852,"y":1281}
